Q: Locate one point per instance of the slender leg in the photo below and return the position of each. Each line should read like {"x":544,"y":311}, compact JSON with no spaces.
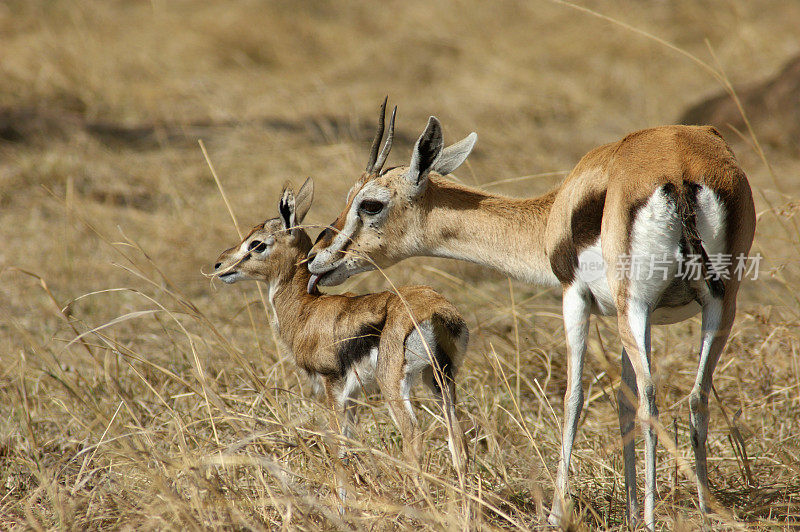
{"x":333,"y":408}
{"x":634,"y":327}
{"x":395,"y":383}
{"x":412,"y":445}
{"x":717,"y":320}
{"x":336,"y":449}
{"x":456,"y":439}
{"x":347,"y":398}
{"x":626,"y":399}
{"x":342,"y":411}
{"x":576,"y":309}
{"x":397,"y":394}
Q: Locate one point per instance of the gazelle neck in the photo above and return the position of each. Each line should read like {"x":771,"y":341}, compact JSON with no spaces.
{"x":288,"y":297}
{"x":507,"y":234}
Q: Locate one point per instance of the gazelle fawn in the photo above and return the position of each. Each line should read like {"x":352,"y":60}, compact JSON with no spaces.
{"x":350,"y":342}
{"x":671,"y":194}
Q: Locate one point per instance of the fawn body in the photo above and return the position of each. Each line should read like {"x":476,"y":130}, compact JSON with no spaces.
{"x":353,"y":342}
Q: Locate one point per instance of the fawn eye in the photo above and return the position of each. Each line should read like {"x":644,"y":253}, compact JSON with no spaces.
{"x":371,"y":207}
{"x":258,"y":246}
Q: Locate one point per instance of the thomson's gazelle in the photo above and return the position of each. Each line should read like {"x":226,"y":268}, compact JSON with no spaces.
{"x":350,"y":341}
{"x":672,"y":194}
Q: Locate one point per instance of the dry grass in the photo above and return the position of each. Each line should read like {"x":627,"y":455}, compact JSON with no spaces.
{"x":134,"y":394}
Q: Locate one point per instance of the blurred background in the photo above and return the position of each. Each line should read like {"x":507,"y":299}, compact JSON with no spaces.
{"x":107,"y":199}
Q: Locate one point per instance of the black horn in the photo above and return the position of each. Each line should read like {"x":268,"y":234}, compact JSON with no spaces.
{"x":376,"y":143}
{"x":387,"y":147}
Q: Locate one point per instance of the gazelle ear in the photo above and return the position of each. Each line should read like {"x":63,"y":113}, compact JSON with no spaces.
{"x":426,"y":150}
{"x":455,"y":154}
{"x":286,"y":208}
{"x":304,"y":199}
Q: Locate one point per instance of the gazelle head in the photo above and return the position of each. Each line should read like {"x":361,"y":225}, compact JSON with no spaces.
{"x":381,"y":223}
{"x":271,"y":249}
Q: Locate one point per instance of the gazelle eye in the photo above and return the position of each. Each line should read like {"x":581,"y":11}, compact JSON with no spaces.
{"x":371,"y":207}
{"x":257,"y":245}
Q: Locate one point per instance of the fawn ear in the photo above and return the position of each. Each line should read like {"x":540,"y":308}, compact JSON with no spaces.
{"x":286,"y":208}
{"x":455,"y":154}
{"x":304,"y":199}
{"x":426,"y":150}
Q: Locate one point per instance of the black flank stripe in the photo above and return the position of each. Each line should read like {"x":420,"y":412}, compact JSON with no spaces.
{"x":355,"y":348}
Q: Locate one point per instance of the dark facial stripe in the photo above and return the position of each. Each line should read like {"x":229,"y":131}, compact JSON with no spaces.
{"x":324,"y":235}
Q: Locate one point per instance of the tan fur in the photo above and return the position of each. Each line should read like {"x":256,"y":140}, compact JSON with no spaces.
{"x":314,"y":327}
{"x":522,"y":237}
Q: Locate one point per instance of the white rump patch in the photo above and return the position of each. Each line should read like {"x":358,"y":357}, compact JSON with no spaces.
{"x":710,"y":217}
{"x":418,"y":347}
{"x":654,"y":254}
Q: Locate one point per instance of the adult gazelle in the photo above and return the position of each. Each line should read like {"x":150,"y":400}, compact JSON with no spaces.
{"x":674,"y":195}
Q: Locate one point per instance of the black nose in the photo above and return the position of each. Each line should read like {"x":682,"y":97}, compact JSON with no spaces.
{"x":217,"y":265}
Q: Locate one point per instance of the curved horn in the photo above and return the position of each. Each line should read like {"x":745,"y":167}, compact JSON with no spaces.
{"x":376,"y":143}
{"x":387,"y":147}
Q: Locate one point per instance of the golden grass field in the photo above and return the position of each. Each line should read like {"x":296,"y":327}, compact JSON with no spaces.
{"x":137,"y":394}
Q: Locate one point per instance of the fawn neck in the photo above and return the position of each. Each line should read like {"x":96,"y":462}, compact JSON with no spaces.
{"x":288,"y":295}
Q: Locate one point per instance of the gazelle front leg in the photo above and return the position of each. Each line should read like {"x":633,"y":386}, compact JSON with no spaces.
{"x":633,"y":320}
{"x":576,"y":308}
{"x":336,"y":426}
{"x":347,"y":405}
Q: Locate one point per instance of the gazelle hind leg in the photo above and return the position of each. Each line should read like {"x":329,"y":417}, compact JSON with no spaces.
{"x":395,"y":381}
{"x":634,"y":328}
{"x":627,"y":400}
{"x":577,"y":306}
{"x":718,"y":314}
{"x":456,"y":439}
{"x":397,"y":395}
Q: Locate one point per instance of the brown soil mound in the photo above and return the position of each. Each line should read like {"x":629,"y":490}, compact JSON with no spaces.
{"x":772,"y":106}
